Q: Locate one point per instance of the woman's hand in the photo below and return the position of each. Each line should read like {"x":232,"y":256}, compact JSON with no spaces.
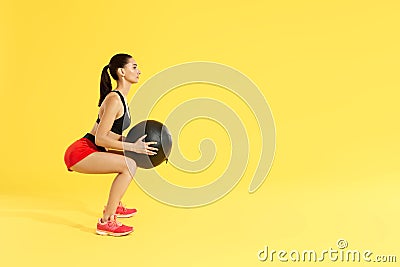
{"x":144,"y":147}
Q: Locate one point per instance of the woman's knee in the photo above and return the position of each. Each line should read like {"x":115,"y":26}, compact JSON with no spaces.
{"x":130,"y":166}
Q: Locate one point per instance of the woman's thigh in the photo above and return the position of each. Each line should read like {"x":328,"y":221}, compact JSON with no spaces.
{"x":119,"y":152}
{"x":104,"y":162}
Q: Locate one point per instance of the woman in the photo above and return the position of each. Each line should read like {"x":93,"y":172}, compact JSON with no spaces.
{"x":101,"y":149}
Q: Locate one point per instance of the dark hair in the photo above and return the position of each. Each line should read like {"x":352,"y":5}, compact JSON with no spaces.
{"x":116,"y":62}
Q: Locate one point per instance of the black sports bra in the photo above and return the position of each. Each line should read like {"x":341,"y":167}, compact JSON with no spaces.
{"x":124,"y":121}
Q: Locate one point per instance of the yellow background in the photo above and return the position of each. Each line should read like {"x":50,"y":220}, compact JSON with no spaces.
{"x":328,"y":69}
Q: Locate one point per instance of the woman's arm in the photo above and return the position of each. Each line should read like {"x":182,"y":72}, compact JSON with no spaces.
{"x":119,"y":152}
{"x":111,"y":108}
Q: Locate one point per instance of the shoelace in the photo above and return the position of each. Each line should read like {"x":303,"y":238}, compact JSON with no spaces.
{"x":122,"y":206}
{"x":113,"y":222}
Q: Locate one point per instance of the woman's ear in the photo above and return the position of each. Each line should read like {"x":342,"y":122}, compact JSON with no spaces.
{"x":121,"y":71}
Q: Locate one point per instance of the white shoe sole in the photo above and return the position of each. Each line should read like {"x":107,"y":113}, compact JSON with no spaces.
{"x":125,"y":216}
{"x":100,"y":232}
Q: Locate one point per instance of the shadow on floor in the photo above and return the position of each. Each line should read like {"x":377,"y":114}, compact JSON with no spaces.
{"x":49,"y":218}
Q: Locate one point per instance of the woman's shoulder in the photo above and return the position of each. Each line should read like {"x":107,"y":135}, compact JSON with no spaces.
{"x":111,"y":99}
{"x":111,"y":103}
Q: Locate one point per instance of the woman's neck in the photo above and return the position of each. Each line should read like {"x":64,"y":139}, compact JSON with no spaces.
{"x":124,"y":87}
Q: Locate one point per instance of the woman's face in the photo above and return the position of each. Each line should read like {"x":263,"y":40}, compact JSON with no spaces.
{"x":131,"y":71}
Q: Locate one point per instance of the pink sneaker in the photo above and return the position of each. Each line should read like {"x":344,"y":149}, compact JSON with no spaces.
{"x":113,"y":227}
{"x":123,"y":212}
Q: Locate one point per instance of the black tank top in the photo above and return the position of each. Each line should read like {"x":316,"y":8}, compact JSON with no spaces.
{"x":123,"y":122}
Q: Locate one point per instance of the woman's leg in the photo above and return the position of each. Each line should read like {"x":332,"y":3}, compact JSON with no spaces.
{"x":119,"y":152}
{"x":104,"y":162}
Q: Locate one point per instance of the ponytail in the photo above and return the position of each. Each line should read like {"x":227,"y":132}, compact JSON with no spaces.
{"x":117,"y":61}
{"x":105,"y":85}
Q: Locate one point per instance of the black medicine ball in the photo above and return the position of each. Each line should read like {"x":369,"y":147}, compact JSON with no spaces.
{"x":156,"y":132}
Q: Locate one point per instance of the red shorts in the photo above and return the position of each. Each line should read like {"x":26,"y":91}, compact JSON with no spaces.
{"x":80,"y":149}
